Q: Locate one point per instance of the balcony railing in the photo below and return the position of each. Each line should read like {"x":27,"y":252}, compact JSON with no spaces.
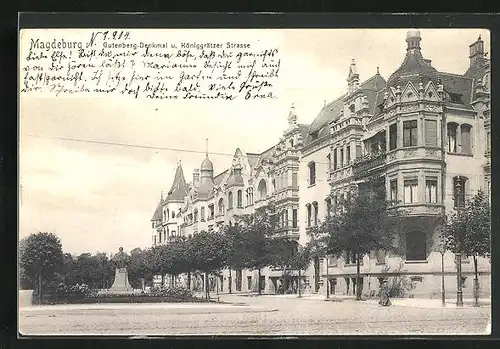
{"x":368,"y":164}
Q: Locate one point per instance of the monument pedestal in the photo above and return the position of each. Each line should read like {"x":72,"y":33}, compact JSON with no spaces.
{"x":121,"y":281}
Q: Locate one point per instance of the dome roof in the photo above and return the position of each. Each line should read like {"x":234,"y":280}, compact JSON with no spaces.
{"x":414,"y":67}
{"x":207,"y":165}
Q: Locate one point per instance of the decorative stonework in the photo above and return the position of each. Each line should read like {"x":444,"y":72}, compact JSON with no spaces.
{"x":391,"y":156}
{"x":432,"y":152}
{"x":410,"y":153}
{"x":433,"y":108}
{"x":409,"y":108}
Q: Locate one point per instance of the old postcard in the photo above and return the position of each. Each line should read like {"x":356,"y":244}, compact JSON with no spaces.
{"x":254,"y":182}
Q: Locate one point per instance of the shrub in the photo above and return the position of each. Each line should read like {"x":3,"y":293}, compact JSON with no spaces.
{"x":171,"y":292}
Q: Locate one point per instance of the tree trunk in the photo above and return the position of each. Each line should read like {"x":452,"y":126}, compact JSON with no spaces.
{"x":358,"y":278}
{"x":230,"y":281}
{"x":40,"y":289}
{"x":298,"y":286}
{"x":189,"y":280}
{"x":258,"y":281}
{"x":476,"y":283}
{"x":207,"y":288}
{"x":162,"y":281}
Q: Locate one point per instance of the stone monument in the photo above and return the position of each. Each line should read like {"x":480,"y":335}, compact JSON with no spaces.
{"x":121,"y":283}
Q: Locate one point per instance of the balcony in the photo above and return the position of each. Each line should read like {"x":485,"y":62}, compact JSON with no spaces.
{"x":341,"y":173}
{"x":414,"y":153}
{"x":287,"y":231}
{"x":421,"y":209}
{"x":369,"y":164}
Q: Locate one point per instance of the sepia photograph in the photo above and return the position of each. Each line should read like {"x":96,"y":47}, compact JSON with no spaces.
{"x":254,"y":182}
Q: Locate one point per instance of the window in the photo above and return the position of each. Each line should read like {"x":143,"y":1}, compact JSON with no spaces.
{"x":411,"y":189}
{"x":341,"y":157}
{"x":394,"y":190}
{"x":465,"y":138}
{"x":159,"y":238}
{"x":452,"y":137}
{"x":154,"y":240}
{"x":328,"y":206}
{"x":416,"y":246}
{"x":328,"y":158}
{"x":173,"y":214}
{"x":295,"y":182}
{"x":312,"y":173}
{"x":211,"y":211}
{"x":393,"y":136}
{"x":431,"y":190}
{"x":410,"y":137}
{"x":294,"y":218}
{"x":196,"y":215}
{"x":221,"y":206}
{"x":431,"y":133}
{"x":250,"y":196}
{"x":315,"y":206}
{"x":262,"y":189}
{"x":309,"y":215}
{"x":348,"y":155}
{"x":230,"y":200}
{"x":359,"y":151}
{"x":335,"y":158}
{"x":239,"y":199}
{"x":488,"y":141}
{"x":249,"y":283}
{"x":459,"y":191}
{"x":203,"y":213}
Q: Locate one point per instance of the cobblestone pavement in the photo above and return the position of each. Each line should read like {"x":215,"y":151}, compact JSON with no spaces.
{"x":255,"y":316}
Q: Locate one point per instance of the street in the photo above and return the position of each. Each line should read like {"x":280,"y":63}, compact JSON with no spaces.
{"x":266,"y":315}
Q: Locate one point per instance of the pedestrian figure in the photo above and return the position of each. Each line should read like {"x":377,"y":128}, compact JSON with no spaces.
{"x":384,"y":294}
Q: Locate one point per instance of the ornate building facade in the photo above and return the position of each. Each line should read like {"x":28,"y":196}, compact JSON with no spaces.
{"x":423,"y":133}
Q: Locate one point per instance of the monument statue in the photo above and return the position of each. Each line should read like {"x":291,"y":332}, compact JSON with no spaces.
{"x":121,"y":261}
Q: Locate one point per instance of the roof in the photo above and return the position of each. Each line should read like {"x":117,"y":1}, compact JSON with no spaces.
{"x":458,"y":85}
{"x":331,"y":112}
{"x":157,"y":216}
{"x":179,"y":187}
{"x":207,"y":165}
{"x":235,"y":180}
{"x":414,"y":68}
{"x":218,"y":179}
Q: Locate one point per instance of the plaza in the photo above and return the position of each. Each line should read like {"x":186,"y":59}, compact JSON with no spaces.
{"x":247,"y":314}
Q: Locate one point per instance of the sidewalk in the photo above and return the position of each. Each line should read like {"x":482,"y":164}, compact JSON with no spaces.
{"x":434,"y":303}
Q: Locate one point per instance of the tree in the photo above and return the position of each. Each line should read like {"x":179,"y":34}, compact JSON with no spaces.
{"x":210,"y":251}
{"x":362,"y":224}
{"x":41,"y":257}
{"x":300,"y":260}
{"x":468,"y":231}
{"x":254,"y":244}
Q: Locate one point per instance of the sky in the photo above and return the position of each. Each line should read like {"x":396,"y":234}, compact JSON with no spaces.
{"x":97,"y":197}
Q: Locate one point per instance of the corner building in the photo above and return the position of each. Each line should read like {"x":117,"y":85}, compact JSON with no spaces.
{"x":423,"y":133}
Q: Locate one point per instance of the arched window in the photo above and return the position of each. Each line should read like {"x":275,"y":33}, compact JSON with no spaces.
{"x":328,"y":206}
{"x":262,"y":189}
{"x":230,"y":200}
{"x":459,"y":190}
{"x":196,"y":215}
{"x":315,"y":214}
{"x":239,"y":199}
{"x":203,"y":213}
{"x":416,"y":246}
{"x":309,"y":214}
{"x":221,"y":206}
{"x":312,"y":172}
{"x":291,"y":143}
{"x":452,"y":137}
{"x":173,"y":214}
{"x":465,"y":138}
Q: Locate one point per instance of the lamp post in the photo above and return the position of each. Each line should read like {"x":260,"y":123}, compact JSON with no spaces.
{"x":443,"y":295}
{"x":458,"y":255}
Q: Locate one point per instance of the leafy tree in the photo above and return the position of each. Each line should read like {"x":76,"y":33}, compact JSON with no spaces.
{"x":140,"y":267}
{"x":363,"y":223}
{"x":210,"y":251}
{"x":468,"y":231}
{"x":41,"y":257}
{"x":254,"y":245}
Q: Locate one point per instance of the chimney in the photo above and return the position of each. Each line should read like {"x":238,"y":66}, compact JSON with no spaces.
{"x":196,"y":177}
{"x":476,"y":51}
